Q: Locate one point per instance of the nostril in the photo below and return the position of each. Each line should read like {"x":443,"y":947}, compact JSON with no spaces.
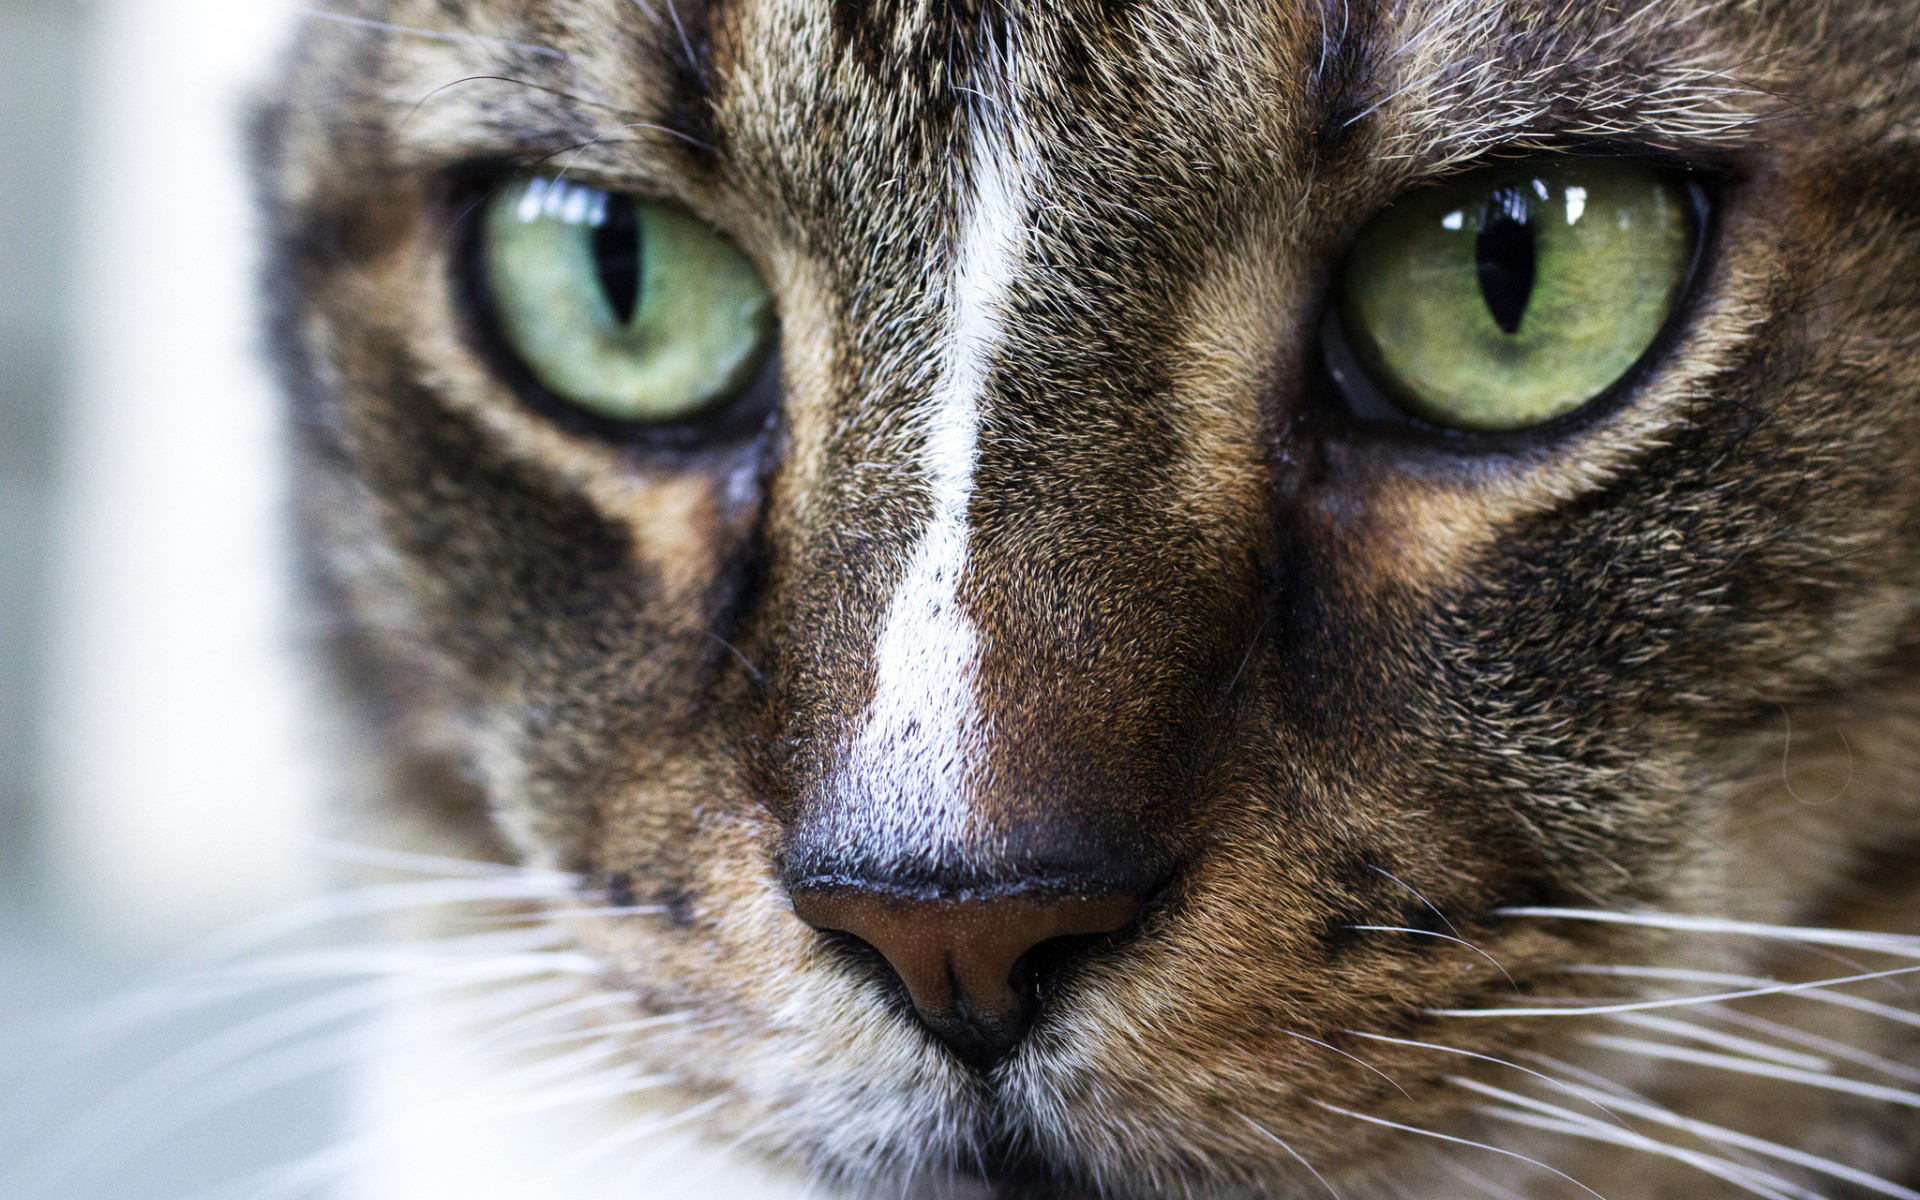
{"x":962,"y":958}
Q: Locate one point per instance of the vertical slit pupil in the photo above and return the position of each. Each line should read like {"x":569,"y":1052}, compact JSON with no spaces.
{"x":1504,"y":257}
{"x":616,"y":255}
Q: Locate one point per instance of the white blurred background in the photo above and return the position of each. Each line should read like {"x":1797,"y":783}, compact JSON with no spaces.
{"x":155,"y":771}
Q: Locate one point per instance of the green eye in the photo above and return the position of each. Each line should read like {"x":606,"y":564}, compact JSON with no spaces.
{"x":1512,"y":297}
{"x":630,"y":310}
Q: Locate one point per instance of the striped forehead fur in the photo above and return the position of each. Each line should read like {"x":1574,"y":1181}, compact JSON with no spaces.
{"x":918,"y":745}
{"x":1461,"y":77}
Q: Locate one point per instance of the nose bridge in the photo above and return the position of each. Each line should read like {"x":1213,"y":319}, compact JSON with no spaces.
{"x":1042,"y":619}
{"x":1103,"y":614}
{"x":1039,"y":661}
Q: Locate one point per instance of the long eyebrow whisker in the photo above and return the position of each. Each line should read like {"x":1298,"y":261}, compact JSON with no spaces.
{"x":574,"y":152}
{"x":557,"y":93}
{"x":686,"y":43}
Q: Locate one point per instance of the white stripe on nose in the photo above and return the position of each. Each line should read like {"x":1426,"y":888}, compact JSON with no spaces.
{"x":923,"y":725}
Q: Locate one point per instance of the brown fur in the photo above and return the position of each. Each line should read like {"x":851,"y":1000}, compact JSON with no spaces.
{"x":1298,"y":667}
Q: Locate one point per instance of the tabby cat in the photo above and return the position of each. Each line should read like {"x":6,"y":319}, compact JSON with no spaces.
{"x":1139,"y":598}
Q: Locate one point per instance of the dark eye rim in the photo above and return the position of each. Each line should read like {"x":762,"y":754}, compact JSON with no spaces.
{"x":1369,"y":407}
{"x":745,"y":414}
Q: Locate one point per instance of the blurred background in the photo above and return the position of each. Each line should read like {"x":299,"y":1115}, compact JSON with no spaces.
{"x":156,"y":778}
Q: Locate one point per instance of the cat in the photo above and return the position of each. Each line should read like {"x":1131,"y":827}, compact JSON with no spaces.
{"x":1133,"y":598}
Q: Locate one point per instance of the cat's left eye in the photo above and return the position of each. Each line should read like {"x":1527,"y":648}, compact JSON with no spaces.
{"x":1509,"y":297}
{"x":630,"y":311}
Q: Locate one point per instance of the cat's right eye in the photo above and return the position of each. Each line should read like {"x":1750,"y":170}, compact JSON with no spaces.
{"x":1513,"y":296}
{"x":631,"y":311}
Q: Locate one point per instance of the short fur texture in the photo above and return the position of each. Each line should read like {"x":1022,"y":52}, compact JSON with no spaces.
{"x":1338,"y":694}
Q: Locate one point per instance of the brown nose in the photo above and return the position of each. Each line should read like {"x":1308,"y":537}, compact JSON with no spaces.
{"x":961,"y":958}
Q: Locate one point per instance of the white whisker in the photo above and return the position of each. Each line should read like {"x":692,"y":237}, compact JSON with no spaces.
{"x":1750,"y":1047}
{"x":1636,"y":1104}
{"x":566,"y":914}
{"x":321,"y":1169}
{"x":1576,"y":1008}
{"x":609,"y":1085}
{"x":1443,"y":937}
{"x":113,"y":1126}
{"x":123,"y":1121}
{"x":1276,"y":1139}
{"x":1542,"y":1076}
{"x":299,"y":1060}
{"x":382,"y":857}
{"x":341,"y":906}
{"x":1760,"y":1183}
{"x":1770,"y":1149}
{"x":170,"y":996}
{"x":406,"y":958}
{"x":1475,"y":1179}
{"x":1726,"y":979}
{"x":295,"y":970}
{"x":1830,"y":1047}
{"x":1363,"y":1063}
{"x":637,"y":1025}
{"x":1460,"y":1141}
{"x":1747,"y":1174}
{"x":1895,"y":944}
{"x":1747,"y":1066}
{"x":634,"y":1131}
{"x":1417,"y":894}
{"x":595,"y":1052}
{"x":1570,"y":1071}
{"x":558,"y":1012}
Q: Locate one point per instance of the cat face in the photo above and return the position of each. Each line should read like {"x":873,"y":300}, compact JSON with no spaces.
{"x":1069,"y":736}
